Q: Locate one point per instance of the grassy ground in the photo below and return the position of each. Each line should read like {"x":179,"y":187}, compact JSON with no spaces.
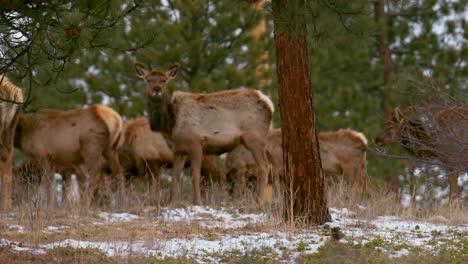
{"x":31,"y":234}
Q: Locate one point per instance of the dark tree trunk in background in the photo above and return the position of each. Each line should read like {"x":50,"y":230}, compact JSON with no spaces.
{"x":384,"y":51}
{"x":386,"y":57}
{"x":305,"y":197}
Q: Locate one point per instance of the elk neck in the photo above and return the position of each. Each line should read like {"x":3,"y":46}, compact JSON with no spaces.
{"x":161,"y":115}
{"x":415,"y":139}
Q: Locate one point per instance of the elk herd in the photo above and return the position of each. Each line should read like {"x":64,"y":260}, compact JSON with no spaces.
{"x":181,"y":128}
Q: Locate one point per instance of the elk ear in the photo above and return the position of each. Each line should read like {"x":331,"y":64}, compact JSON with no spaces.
{"x":397,"y":114}
{"x":408,"y":112}
{"x":173,"y":71}
{"x":140,"y":70}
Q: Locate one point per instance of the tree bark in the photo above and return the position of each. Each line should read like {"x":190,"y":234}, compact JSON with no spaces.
{"x":305,"y":197}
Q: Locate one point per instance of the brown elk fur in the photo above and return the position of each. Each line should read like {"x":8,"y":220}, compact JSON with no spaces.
{"x":83,"y":139}
{"x":441,"y":137}
{"x":342,"y":152}
{"x":210,"y":123}
{"x":10,"y":98}
{"x":146,"y":151}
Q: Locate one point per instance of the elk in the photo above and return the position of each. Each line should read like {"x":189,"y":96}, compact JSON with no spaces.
{"x":83,"y":139}
{"x":441,"y":136}
{"x":11,"y":97}
{"x":202,"y":124}
{"x":342,"y":152}
{"x":145,"y":151}
{"x":240,"y":167}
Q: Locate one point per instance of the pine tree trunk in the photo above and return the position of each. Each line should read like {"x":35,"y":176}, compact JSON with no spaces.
{"x":305,"y":198}
{"x":384,"y":50}
{"x":386,"y":57}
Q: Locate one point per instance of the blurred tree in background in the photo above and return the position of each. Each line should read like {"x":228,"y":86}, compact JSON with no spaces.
{"x":348,"y":70}
{"x":426,"y":40}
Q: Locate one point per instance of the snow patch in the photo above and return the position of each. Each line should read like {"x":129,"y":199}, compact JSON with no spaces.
{"x":118,"y":217}
{"x":211,"y":218}
{"x":54,"y":228}
{"x":17,"y":228}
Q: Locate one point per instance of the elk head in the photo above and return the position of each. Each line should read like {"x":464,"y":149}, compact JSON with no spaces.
{"x":395,"y":122}
{"x":156,"y":80}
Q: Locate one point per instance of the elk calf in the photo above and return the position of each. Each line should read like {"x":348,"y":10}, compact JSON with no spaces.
{"x":211,"y":123}
{"x":342,"y":152}
{"x":10,"y":98}
{"x":442,"y":136}
{"x":83,"y":139}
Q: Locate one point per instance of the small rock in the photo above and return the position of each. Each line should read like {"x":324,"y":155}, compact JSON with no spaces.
{"x":336,"y":233}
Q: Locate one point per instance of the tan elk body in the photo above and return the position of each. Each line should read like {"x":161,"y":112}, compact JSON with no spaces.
{"x":11,"y":97}
{"x":147,"y":151}
{"x":83,"y":139}
{"x":211,"y":123}
{"x":342,"y":152}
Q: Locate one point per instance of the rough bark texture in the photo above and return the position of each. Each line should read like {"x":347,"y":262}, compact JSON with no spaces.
{"x":305,"y":199}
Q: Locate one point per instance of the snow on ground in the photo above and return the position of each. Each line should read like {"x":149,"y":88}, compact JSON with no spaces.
{"x":399,"y":234}
{"x":389,"y":234}
{"x":211,"y":218}
{"x":18,"y":228}
{"x":51,"y":229}
{"x":118,"y":217}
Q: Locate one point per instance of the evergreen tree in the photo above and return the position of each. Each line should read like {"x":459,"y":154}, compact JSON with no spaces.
{"x":429,"y":38}
{"x":41,"y":39}
{"x":426,"y":40}
{"x":210,"y":39}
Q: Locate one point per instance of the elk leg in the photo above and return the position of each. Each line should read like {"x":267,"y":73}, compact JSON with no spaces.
{"x":257,"y":148}
{"x":156,"y":181}
{"x":153,"y":171}
{"x":177,"y":167}
{"x":92,"y":169}
{"x":94,"y":182}
{"x":7,"y":134}
{"x":350,"y":172}
{"x":48,"y":182}
{"x":240,"y":176}
{"x":6,"y":182}
{"x":196,"y":159}
{"x":453,"y":186}
{"x":275,"y":172}
{"x":82,"y":181}
{"x":112,"y":158}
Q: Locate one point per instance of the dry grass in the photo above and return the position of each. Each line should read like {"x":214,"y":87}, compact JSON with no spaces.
{"x":87,"y":225}
{"x":385,"y":203}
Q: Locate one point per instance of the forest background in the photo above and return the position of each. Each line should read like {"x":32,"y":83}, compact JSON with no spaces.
{"x":68,"y":54}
